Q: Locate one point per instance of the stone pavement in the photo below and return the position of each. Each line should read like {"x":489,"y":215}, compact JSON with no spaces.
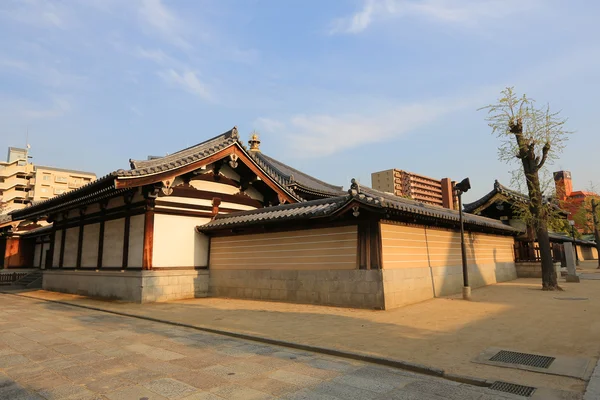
{"x":445,"y":333}
{"x":53,"y":351}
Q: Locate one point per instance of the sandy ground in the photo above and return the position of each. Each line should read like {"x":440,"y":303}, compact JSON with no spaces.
{"x":445,"y":333}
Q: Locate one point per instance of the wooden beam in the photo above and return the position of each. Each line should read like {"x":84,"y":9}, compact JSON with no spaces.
{"x":184,"y":213}
{"x":195,"y":206}
{"x":192,"y":193}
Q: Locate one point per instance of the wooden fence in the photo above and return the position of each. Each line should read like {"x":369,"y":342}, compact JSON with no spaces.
{"x":530,"y":252}
{"x":7,"y":279}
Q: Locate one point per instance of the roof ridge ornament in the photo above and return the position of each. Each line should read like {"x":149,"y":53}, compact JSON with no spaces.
{"x":254,"y":142}
{"x":354,"y":187}
{"x":234,"y":133}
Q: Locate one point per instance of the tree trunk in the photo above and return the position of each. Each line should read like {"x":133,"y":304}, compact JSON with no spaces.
{"x":540,"y":221}
{"x":596,"y":233}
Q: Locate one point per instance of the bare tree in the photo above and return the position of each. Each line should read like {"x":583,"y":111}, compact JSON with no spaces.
{"x":530,"y":136}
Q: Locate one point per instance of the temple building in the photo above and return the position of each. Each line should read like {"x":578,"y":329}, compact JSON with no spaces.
{"x":223,"y":219}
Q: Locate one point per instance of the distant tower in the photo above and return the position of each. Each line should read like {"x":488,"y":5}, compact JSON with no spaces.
{"x":254,"y":142}
{"x":564,"y":184}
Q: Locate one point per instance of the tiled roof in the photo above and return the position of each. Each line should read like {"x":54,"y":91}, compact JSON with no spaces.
{"x":413,"y":207}
{"x":104,"y":187}
{"x":304,"y":210}
{"x":183,"y":157}
{"x":367,"y":196}
{"x":292,"y":177}
{"x":498,"y":189}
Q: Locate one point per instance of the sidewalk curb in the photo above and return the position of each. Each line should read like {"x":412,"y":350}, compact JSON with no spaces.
{"x":388,"y":362}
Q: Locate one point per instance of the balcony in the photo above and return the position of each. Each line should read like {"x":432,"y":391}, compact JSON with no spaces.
{"x":60,"y":179}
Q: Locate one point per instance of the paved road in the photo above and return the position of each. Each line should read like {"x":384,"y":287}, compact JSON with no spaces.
{"x":53,"y":351}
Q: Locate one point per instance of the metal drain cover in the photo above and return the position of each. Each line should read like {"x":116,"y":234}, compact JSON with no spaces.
{"x":513,"y":388}
{"x":532,"y":360}
{"x":572,"y":298}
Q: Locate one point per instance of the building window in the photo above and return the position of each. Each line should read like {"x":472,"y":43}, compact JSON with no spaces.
{"x":46,"y":177}
{"x":60,"y":179}
{"x":59,"y":191}
{"x":44,"y":190}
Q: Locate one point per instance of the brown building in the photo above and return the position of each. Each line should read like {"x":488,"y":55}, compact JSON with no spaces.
{"x":437,"y":192}
{"x":22,"y":182}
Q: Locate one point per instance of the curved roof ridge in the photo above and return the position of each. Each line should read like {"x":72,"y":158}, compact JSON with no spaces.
{"x":220,"y":141}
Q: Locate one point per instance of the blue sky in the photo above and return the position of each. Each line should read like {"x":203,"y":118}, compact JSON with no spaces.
{"x":338,"y":89}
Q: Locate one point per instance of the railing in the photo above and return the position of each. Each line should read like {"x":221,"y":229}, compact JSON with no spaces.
{"x":10,"y":278}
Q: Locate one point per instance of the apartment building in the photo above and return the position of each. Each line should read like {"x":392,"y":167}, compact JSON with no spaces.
{"x":437,"y":192}
{"x":22,"y":182}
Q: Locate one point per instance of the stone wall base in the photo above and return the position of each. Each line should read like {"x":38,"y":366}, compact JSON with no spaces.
{"x":343,"y":288}
{"x":533,"y":269}
{"x":134,"y":286}
{"x":404,"y":286}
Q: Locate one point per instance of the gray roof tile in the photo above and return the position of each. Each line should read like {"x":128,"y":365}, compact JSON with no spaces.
{"x":326,"y":207}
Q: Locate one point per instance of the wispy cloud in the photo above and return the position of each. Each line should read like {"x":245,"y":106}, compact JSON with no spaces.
{"x":446,"y":11}
{"x":41,"y":72}
{"x":188,"y":81}
{"x":325,"y":134}
{"x":37,"y":13}
{"x":20,"y":109}
{"x":164,"y":21}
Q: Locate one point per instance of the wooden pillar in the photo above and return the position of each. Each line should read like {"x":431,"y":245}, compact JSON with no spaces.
{"x":375,"y":245}
{"x":150,"y":193}
{"x":126,"y":241}
{"x":363,"y":245}
{"x":128,"y":199}
{"x":148,"y":239}
{"x":61,"y":256}
{"x":41,"y":251}
{"x":52,"y":243}
{"x":101,"y":234}
{"x":80,"y":238}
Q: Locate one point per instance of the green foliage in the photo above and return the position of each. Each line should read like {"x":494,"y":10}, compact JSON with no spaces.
{"x":584,"y":216}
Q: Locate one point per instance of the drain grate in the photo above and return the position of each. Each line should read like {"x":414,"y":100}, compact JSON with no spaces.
{"x":520,"y":390}
{"x":532,"y":360}
{"x":572,"y":298}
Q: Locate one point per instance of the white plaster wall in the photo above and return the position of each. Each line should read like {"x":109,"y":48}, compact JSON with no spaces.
{"x":136,"y":241}
{"x":71,"y":241}
{"x":214,"y":187}
{"x":57,"y":241}
{"x":255,"y":194}
{"x":164,"y":202}
{"x":36,"y":254}
{"x":176,"y":242}
{"x":229,"y":172}
{"x":113,"y":243}
{"x":89,"y":250}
